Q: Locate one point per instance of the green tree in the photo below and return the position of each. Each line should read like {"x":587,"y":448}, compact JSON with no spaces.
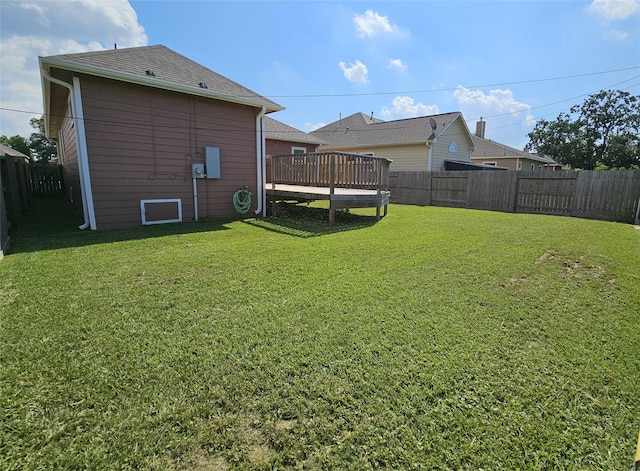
{"x":36,"y":146}
{"x":41,"y":147}
{"x":19,"y":143}
{"x":601,"y":132}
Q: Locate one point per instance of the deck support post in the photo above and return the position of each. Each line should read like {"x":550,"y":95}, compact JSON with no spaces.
{"x":332,"y":187}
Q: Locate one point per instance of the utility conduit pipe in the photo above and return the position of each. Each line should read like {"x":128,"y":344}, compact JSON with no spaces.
{"x":195,"y":199}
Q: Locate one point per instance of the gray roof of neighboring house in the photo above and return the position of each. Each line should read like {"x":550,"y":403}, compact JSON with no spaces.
{"x":488,"y":149}
{"x":277,"y":131}
{"x":171,"y":71}
{"x":10,"y":151}
{"x":361,"y":130}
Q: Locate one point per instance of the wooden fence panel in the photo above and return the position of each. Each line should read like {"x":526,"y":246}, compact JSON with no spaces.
{"x":607,"y":195}
{"x":546,"y":192}
{"x":449,"y":189}
{"x":410,"y":187}
{"x":492,"y":190}
{"x":46,"y":180}
{"x":14,"y":173}
{"x":610,"y":195}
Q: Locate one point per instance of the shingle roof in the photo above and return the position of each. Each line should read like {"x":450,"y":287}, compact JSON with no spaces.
{"x":10,"y":151}
{"x":278,"y":131}
{"x":169,"y":69}
{"x":360,"y":130}
{"x":486,"y":148}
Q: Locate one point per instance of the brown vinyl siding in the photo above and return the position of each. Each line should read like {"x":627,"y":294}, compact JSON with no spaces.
{"x":275,"y":147}
{"x":284,"y":147}
{"x":68,"y":157}
{"x":141,"y":144}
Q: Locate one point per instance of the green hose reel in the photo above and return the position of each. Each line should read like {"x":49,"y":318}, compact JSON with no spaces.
{"x":242,"y":200}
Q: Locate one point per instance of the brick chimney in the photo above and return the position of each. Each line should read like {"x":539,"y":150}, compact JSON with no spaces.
{"x":480,"y":126}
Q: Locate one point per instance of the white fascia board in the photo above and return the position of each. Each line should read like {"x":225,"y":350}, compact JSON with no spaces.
{"x":149,"y":82}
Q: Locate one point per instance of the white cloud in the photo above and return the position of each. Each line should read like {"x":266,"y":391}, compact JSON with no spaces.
{"x":614,"y":9}
{"x":499,"y":101}
{"x":500,"y":109}
{"x":371,"y":23}
{"x":355,"y":72}
{"x":39,"y":28}
{"x":308,"y":127}
{"x":621,"y":35}
{"x":398,"y":64}
{"x":406,"y":107}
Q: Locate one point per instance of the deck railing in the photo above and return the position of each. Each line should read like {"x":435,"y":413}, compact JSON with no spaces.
{"x":332,"y":170}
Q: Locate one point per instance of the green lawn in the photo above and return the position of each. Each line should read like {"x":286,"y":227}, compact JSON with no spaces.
{"x":434,"y":339}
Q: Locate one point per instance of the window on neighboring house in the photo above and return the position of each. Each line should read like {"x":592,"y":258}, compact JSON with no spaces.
{"x":519,"y":164}
{"x":493,"y":164}
{"x":453,"y":147}
{"x":298,"y":150}
{"x":533,"y":167}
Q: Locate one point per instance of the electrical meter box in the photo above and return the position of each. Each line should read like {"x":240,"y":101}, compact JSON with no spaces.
{"x":197,"y":170}
{"x":212,"y":158}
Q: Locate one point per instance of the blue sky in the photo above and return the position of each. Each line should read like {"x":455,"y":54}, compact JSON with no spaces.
{"x":510,"y":62}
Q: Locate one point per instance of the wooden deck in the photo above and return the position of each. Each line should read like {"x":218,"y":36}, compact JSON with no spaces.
{"x":345,"y":180}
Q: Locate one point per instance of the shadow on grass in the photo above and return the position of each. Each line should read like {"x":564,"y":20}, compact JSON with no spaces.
{"x":52,"y":223}
{"x":300,"y":220}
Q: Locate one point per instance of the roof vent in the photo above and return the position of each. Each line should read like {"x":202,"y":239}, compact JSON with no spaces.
{"x":203,"y":85}
{"x":150,"y":73}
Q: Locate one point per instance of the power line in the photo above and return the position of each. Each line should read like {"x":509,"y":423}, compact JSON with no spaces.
{"x":550,"y":104}
{"x":329,"y":95}
{"x":145,"y":124}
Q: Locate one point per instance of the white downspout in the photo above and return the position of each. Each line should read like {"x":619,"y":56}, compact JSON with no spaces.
{"x":259,"y":157}
{"x":264,"y":171}
{"x":84,"y":154}
{"x":429,"y":156}
{"x":81,"y":149}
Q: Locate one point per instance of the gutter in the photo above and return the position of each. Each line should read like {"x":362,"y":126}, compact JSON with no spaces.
{"x":260,"y":159}
{"x":83,"y":160}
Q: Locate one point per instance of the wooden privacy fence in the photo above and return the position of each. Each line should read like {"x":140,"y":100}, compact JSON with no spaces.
{"x":607,"y":195}
{"x":46,"y":179}
{"x":15,"y":194}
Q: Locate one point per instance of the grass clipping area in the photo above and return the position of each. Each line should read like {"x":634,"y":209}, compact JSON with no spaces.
{"x":434,"y":339}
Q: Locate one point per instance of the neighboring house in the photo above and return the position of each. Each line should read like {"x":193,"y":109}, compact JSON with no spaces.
{"x":138,"y":129}
{"x":283,"y":139}
{"x":489,"y":152}
{"x":424,"y":143}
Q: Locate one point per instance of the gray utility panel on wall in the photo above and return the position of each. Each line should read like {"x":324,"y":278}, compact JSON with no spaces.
{"x":212,"y":160}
